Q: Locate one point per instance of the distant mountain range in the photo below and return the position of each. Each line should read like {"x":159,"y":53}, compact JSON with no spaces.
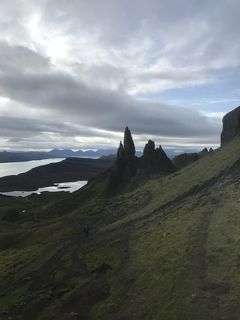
{"x":10,"y":156}
{"x":6,"y":156}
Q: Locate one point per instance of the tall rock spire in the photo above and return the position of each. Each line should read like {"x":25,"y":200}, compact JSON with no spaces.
{"x":125,"y":166}
{"x":129,"y":147}
{"x":149,"y":149}
{"x":120,"y":156}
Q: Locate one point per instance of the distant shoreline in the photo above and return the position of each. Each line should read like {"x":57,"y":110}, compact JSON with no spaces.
{"x":68,"y":170}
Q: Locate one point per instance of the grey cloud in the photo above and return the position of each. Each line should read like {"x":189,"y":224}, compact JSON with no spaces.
{"x":15,"y":128}
{"x":101,"y":108}
{"x":194,"y":35}
{"x":16,"y":58}
{"x":119,"y":22}
{"x":185,"y":42}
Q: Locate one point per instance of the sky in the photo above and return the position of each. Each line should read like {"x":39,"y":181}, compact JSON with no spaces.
{"x":74,"y":73}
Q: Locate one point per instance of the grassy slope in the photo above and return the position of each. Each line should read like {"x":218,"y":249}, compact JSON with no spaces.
{"x":168,"y":250}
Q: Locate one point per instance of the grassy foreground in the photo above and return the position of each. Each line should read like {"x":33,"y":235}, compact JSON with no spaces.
{"x":169,"y":250}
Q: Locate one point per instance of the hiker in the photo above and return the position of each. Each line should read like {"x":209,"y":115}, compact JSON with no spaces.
{"x":86,"y":230}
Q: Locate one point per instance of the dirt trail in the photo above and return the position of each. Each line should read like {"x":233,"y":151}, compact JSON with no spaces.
{"x":200,"y":263}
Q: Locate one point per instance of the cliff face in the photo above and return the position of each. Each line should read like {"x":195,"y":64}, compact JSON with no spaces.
{"x":231,"y":126}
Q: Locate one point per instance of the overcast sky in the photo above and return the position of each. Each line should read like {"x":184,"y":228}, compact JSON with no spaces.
{"x":74,"y":73}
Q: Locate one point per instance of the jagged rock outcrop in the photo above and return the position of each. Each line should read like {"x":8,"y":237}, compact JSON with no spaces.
{"x":127,"y":165}
{"x":129,"y":147}
{"x":231,"y":126}
{"x":155,"y":160}
{"x":120,"y":156}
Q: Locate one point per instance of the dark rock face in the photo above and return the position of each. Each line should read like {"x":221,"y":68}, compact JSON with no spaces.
{"x":231,"y":126}
{"x":129,"y":147}
{"x":149,"y":148}
{"x":120,"y":155}
{"x":155,"y":160}
{"x":127,"y":165}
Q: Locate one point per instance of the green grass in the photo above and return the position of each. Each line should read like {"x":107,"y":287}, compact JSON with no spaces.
{"x":166,"y":250}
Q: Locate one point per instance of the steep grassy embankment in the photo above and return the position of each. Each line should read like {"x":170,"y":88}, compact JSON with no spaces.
{"x":168,"y":250}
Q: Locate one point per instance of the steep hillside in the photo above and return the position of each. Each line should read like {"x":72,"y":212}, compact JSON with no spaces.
{"x":184,"y":159}
{"x":167,"y":250}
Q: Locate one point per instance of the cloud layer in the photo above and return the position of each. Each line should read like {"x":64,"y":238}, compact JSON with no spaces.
{"x":74,"y":73}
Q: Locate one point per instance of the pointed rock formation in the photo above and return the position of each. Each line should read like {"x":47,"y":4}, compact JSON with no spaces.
{"x":129,"y":152}
{"x":155,"y":160}
{"x":149,"y":148}
{"x":127,"y":165}
{"x":165,"y":165}
{"x":120,"y":155}
{"x":231,"y":126}
{"x":129,"y":147}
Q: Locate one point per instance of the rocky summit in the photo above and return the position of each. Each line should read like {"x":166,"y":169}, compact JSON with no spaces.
{"x":231,"y":126}
{"x":127,"y":165}
{"x":155,"y":160}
